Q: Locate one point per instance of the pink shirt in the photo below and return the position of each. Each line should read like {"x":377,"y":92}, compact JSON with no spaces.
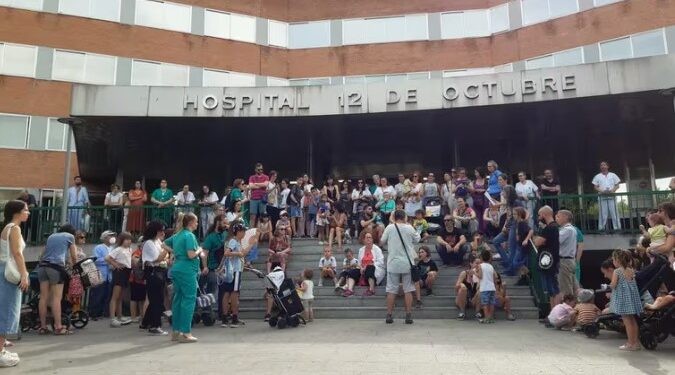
{"x":559,"y":312}
{"x":258,"y":194}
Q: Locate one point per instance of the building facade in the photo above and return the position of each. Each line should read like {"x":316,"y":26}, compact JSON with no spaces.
{"x":48,"y":46}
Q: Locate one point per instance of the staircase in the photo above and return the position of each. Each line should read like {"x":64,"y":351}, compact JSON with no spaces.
{"x":328,"y":305}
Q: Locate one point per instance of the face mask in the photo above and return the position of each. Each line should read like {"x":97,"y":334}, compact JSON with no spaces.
{"x":112,"y":240}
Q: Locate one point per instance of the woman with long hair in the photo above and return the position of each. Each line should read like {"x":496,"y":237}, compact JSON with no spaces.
{"x":136,"y":217}
{"x":480,"y":203}
{"x":207,"y":199}
{"x":154,"y":258}
{"x":331,"y":190}
{"x":11,"y":251}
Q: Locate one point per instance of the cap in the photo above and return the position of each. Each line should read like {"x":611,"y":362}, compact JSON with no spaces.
{"x":107,"y":234}
{"x":283,"y":212}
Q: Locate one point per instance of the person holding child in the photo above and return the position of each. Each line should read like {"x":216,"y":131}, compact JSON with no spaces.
{"x":278,"y":251}
{"x":351,"y":272}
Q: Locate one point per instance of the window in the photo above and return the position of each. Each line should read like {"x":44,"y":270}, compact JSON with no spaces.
{"x":147,"y":73}
{"x":17,"y":60}
{"x":56,"y":136}
{"x":540,"y":62}
{"x":13,"y":131}
{"x":163,"y":15}
{"x":535,"y":11}
{"x":274,"y":81}
{"x":649,"y":44}
{"x":84,"y":67}
{"x":599,"y":3}
{"x":277,"y":34}
{"x":24,"y":4}
{"x":573,"y":56}
{"x":473,"y":23}
{"x":420,"y":75}
{"x":499,"y":18}
{"x":375,"y":79}
{"x":382,"y":30}
{"x":355,"y":80}
{"x":102,"y":9}
{"x":309,"y":35}
{"x":219,"y":78}
{"x":616,"y":49}
{"x":467,"y":72}
{"x":309,"y":82}
{"x":229,"y":26}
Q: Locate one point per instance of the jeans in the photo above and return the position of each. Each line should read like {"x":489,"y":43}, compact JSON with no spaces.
{"x":507,"y":255}
{"x":99,"y":299}
{"x":155,"y":280}
{"x":520,"y":259}
{"x":452,"y":257}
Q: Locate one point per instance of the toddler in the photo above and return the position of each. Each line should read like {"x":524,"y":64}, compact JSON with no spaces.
{"x":421,"y":226}
{"x":656,"y":233}
{"x":586,"y":310}
{"x":120,"y":261}
{"x":487,"y":275}
{"x":264,"y":229}
{"x":307,"y":297}
{"x":327,"y":265}
{"x":625,"y":297}
{"x":322,"y":218}
{"x":563,"y":315}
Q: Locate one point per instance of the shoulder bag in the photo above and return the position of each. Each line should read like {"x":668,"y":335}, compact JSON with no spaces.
{"x":414,"y":269}
{"x":12,"y":274}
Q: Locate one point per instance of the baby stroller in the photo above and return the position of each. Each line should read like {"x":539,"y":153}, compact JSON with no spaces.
{"x":646,"y":280}
{"x":85,"y":275}
{"x":287,"y":308}
{"x":204,"y":309}
{"x":432,"y":213}
{"x":657,"y":326}
{"x":30,"y":315}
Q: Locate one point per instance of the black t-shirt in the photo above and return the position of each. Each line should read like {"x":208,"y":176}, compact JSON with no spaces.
{"x":523,"y":229}
{"x":547,"y":183}
{"x":452,"y":238}
{"x":552,"y":245}
{"x":425,"y":267}
{"x":296,"y":192}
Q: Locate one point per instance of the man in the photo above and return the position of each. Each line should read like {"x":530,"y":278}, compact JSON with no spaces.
{"x":550,"y":188}
{"x":384,"y":188}
{"x":29,"y":228}
{"x":258,"y":184}
{"x":549,"y":240}
{"x":375,"y":185}
{"x":399,"y":238}
{"x":494,"y":189}
{"x":99,"y":297}
{"x":568,"y":252}
{"x":606,"y":183}
{"x":400,"y":187}
{"x":186,"y":199}
{"x":214,"y":241}
{"x":77,"y":197}
{"x":451,"y":243}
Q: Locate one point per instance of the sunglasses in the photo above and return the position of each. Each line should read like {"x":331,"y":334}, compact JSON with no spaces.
{"x":80,"y":237}
{"x":447,"y":220}
{"x":415,"y":175}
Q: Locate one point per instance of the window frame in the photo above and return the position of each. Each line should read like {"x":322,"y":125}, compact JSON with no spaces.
{"x":463,"y":34}
{"x":186,"y":84}
{"x":328,"y":22}
{"x":269,"y":30}
{"x":39,"y":9}
{"x":3,"y":52}
{"x":548,"y":13}
{"x":64,"y":141}
{"x":164,"y":22}
{"x":84,"y":70}
{"x":405,"y":28}
{"x":27,"y":133}
{"x":117,"y":19}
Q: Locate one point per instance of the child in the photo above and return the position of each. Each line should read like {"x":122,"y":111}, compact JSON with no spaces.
{"x":662,"y":302}
{"x":327,"y":265}
{"x":607,"y":268}
{"x":487,"y":275}
{"x":120,"y":261}
{"x":503,"y":300}
{"x":307,"y":298}
{"x":563,"y":316}
{"x":428,"y":272}
{"x":351,"y":272}
{"x":477,"y":245}
{"x":284,"y":224}
{"x":137,"y":287}
{"x":278,"y":251}
{"x":264,"y":229}
{"x":656,"y":233}
{"x":625,"y":297}
{"x":523,"y":235}
{"x":322,"y":218}
{"x":421,"y":226}
{"x":232,"y":265}
{"x":586,"y":310}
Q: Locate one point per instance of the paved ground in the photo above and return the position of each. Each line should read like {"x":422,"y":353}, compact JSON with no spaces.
{"x":342,"y":347}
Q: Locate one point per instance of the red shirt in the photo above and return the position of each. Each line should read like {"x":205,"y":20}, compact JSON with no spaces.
{"x":258,"y":194}
{"x":367,"y":259}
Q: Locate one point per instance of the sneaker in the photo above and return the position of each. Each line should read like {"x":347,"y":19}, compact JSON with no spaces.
{"x":461,"y":316}
{"x":157,"y":332}
{"x":7,"y":359}
{"x":368,"y":293}
{"x":236,"y":323}
{"x":418,"y":304}
{"x":543,"y":321}
{"x":320,"y":242}
{"x":267,"y":317}
{"x":549,"y":325}
{"x":114,"y":323}
{"x":408,"y":318}
{"x":479,"y":315}
{"x":428,"y":292}
{"x":186,"y":339}
{"x":511,"y":317}
{"x":175,"y":335}
{"x":320,"y":282}
{"x":125,"y":320}
{"x":389,"y":319}
{"x":135,"y":320}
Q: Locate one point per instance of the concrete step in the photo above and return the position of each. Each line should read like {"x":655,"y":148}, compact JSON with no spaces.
{"x":257,"y":291}
{"x":380,"y":313}
{"x":357,"y":301}
{"x":441,"y":279}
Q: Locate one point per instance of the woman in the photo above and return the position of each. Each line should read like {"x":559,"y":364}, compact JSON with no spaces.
{"x":431,"y":189}
{"x":163,"y":200}
{"x":464,"y":216}
{"x":467,"y":289}
{"x":154,"y":271}
{"x":184,"y":273}
{"x":428,"y":272}
{"x":413,"y":199}
{"x":236,"y":213}
{"x":345,"y":196}
{"x":462,"y":187}
{"x":508,"y":233}
{"x":527,"y":193}
{"x":493,"y":220}
{"x":480,"y":203}
{"x":11,"y":246}
{"x":52,"y":276}
{"x":207,"y":199}
{"x":272,"y":190}
{"x":446,"y":193}
{"x":361,"y":198}
{"x":372,"y":264}
{"x":114,"y":200}
{"x":331,"y":190}
{"x":338,"y":226}
{"x":136,"y":217}
{"x":239,"y":194}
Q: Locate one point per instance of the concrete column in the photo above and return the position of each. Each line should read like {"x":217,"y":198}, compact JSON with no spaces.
{"x":44,"y":64}
{"x":197,"y":24}
{"x":50,"y":6}
{"x":123,"y":76}
{"x":261,"y":31}
{"x":434,"y":25}
{"x":515,"y":15}
{"x":196,"y":78}
{"x":128,"y":12}
{"x":336,"y":33}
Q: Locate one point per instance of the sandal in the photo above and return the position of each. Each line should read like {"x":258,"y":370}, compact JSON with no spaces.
{"x":63,"y":332}
{"x":44,"y":331}
{"x":8,"y":344}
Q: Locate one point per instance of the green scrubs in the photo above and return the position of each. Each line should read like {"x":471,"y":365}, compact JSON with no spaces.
{"x":184,"y":275}
{"x":211,"y":243}
{"x":245,"y":208}
{"x":165,"y":213}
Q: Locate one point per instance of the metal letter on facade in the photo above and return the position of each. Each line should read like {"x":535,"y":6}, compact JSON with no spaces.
{"x":569,"y":83}
{"x":529,"y":87}
{"x":393,"y":97}
{"x":450,"y":93}
{"x":229,"y":102}
{"x":473,"y":88}
{"x":412,"y":96}
{"x":489,"y":86}
{"x":285,"y":102}
{"x":188,"y":99}
{"x":549,"y":82}
{"x":245,"y":100}
{"x":210,"y":102}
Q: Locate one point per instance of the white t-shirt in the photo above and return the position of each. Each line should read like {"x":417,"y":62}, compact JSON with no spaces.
{"x":185,"y":198}
{"x":283,"y":198}
{"x":528,"y":189}
{"x":330,"y":262}
{"x":272,"y":194}
{"x":151,"y":250}
{"x":606,"y":182}
{"x":122,"y":255}
{"x":346,"y":262}
{"x":309,"y":291}
{"x":379,"y":192}
{"x":487,"y":282}
{"x":211,"y":198}
{"x":114,"y":199}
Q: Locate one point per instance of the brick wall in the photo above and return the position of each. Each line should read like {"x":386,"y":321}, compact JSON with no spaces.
{"x":34,"y":169}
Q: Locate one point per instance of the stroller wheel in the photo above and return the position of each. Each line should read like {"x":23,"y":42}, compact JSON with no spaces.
{"x":281,"y":324}
{"x":647,"y":338}
{"x":208,"y":319}
{"x":273,"y":321}
{"x":591,"y":330}
{"x":26,"y":323}
{"x":79,"y":319}
{"x":196,"y":319}
{"x":294,"y":321}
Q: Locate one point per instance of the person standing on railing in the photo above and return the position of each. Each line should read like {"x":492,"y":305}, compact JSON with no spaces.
{"x":77,"y":197}
{"x":550,"y":187}
{"x":136,"y":217}
{"x":606,"y":184}
{"x":163,"y":200}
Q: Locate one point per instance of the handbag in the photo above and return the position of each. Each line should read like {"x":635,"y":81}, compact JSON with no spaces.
{"x":12,"y":274}
{"x":414,"y":269}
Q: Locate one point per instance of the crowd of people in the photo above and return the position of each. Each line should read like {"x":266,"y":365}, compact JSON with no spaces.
{"x":484,"y":220}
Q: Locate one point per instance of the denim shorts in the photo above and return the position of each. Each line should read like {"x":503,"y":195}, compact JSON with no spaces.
{"x":488,"y":298}
{"x":294,"y":211}
{"x":549,"y":282}
{"x":257,"y":207}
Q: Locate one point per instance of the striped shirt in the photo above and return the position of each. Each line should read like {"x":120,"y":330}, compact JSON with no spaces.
{"x":586,"y":313}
